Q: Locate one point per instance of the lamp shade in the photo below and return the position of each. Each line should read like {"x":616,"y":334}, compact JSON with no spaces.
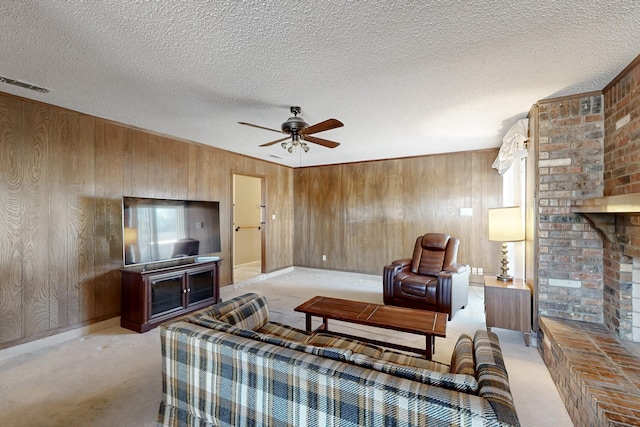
{"x":506,"y":225}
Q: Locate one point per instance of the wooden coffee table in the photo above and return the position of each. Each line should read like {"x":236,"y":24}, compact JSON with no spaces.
{"x":428,"y":323}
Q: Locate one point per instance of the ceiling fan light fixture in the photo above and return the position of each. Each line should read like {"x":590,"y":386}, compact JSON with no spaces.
{"x":294,"y":124}
{"x":299,"y":131}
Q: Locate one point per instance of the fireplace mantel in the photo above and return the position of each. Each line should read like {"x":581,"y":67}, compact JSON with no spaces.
{"x":624,"y":203}
{"x":595,"y":208}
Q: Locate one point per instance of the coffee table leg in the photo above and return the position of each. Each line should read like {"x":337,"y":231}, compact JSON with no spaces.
{"x":430,"y":346}
{"x":323,"y":327}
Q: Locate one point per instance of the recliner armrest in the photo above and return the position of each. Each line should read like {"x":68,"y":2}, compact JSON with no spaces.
{"x":389,"y":273}
{"x":456,"y":268}
{"x":453,"y":288}
{"x":402,"y":262}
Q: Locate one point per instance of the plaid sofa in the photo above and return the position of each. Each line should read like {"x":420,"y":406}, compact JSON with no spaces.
{"x":228,"y":365}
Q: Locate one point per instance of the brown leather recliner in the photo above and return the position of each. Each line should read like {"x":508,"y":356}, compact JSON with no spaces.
{"x":431,"y":280}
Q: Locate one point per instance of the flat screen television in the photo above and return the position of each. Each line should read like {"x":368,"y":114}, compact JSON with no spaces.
{"x":163,"y":229}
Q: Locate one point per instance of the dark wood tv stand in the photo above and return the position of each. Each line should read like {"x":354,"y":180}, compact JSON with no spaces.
{"x":156,"y":293}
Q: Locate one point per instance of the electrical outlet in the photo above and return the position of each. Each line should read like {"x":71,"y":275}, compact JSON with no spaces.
{"x":480,"y":270}
{"x":474,"y":270}
{"x":324,"y":257}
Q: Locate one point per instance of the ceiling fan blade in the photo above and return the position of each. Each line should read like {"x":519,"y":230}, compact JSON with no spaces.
{"x":260,"y":127}
{"x":321,"y":141}
{"x":322,"y":126}
{"x":274,"y":142}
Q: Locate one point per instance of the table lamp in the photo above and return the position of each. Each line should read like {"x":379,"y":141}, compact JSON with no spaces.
{"x":505,"y":225}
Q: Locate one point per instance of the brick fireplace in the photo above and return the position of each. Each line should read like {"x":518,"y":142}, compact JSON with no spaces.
{"x":621,"y":261}
{"x":589,"y":205}
{"x":588,"y":284}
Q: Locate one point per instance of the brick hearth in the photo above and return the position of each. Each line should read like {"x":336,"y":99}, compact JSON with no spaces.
{"x":597,"y":375}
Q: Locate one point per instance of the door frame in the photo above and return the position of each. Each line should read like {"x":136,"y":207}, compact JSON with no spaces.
{"x":263,"y":218}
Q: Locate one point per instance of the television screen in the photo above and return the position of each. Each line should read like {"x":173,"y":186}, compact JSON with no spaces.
{"x":162,"y":229}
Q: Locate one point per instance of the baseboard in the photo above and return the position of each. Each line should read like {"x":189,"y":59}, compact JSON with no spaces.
{"x":248,"y":264}
{"x":41,"y":343}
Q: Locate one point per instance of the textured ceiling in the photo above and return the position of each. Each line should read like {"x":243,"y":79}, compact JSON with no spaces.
{"x":405,"y":77}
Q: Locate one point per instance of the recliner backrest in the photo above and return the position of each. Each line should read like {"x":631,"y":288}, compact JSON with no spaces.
{"x":434,"y":252}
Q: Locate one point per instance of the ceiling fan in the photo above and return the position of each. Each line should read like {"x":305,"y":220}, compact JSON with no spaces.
{"x":299,"y":132}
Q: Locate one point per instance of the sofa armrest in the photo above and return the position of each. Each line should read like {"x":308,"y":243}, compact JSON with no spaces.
{"x":493,"y":379}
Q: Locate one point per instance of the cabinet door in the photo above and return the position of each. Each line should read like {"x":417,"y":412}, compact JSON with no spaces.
{"x":200,"y":285}
{"x":166,"y":292}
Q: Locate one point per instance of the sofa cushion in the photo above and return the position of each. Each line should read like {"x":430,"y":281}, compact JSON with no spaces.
{"x":413,"y":361}
{"x":328,"y":352}
{"x":284,"y":331}
{"x":458,"y":382}
{"x":462,"y":361}
{"x":336,"y":341}
{"x":252,"y":315}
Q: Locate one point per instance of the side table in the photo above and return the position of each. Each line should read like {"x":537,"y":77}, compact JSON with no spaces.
{"x":507,"y":305}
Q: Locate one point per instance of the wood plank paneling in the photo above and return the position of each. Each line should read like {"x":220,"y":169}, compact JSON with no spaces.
{"x":112,"y":185}
{"x":154,"y":166}
{"x":139,"y":164}
{"x":167,"y":167}
{"x":362,"y":216}
{"x":101,"y":248}
{"x":73,"y":221}
{"x":373,"y":209}
{"x":35,"y":221}
{"x":86,"y":240}
{"x":180,"y":168}
{"x":62,"y":178}
{"x":11,"y":183}
{"x":192,"y":165}
{"x":59,"y":221}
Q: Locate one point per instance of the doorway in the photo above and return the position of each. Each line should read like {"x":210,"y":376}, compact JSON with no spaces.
{"x":248,"y":227}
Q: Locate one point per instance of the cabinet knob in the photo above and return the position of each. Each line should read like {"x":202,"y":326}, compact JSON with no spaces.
{"x":184,"y":291}
{"x":188,"y":289}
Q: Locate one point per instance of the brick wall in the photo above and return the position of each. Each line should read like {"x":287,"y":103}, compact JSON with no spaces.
{"x":622,"y":176}
{"x":570,"y":268}
{"x":622,"y":146}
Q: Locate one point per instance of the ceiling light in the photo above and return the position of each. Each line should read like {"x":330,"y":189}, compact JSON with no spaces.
{"x":294,"y":142}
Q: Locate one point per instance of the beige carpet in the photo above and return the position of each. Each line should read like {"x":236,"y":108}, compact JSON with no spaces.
{"x":111,"y":377}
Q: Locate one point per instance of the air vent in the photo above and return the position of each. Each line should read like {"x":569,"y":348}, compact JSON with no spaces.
{"x":23,"y":84}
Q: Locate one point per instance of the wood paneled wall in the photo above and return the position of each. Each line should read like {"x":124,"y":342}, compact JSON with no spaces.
{"x":62,"y":177}
{"x":63,"y":174}
{"x":364,"y":215}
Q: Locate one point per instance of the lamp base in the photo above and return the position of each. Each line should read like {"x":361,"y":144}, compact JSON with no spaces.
{"x":504,"y":277}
